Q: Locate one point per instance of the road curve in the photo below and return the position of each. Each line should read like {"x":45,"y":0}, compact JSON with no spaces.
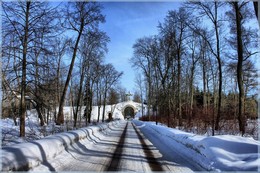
{"x":121,"y":148}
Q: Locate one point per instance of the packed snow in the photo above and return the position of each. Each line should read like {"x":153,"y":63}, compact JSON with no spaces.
{"x":25,"y":156}
{"x":218,"y":153}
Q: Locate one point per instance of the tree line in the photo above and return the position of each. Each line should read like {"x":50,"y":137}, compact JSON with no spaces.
{"x":200,"y":67}
{"x":51,"y":52}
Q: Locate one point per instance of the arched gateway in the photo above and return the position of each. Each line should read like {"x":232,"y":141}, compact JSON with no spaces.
{"x":123,"y":110}
{"x":130,"y":108}
{"x":127,"y":109}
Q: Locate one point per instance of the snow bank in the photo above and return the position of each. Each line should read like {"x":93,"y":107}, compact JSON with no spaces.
{"x":24,"y":156}
{"x":218,"y":153}
{"x":234,"y":153}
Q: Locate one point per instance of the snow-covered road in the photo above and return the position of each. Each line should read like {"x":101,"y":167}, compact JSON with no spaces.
{"x":121,"y":148}
{"x":132,"y":146}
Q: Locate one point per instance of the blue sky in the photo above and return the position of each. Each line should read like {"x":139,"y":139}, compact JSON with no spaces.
{"x":125,"y":23}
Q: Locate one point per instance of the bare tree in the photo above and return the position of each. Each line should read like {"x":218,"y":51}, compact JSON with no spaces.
{"x":25,"y":20}
{"x":211,"y":11}
{"x":174,"y":30}
{"x":110,"y":78}
{"x":60,"y":47}
{"x":240,"y":13}
{"x":142,"y":59}
{"x":194,"y":52}
{"x":96,"y":51}
{"x":256,"y":9}
{"x":140,"y":85}
{"x":113,"y":96}
{"x":79,"y":16}
{"x":10,"y":74}
{"x":99,"y":90}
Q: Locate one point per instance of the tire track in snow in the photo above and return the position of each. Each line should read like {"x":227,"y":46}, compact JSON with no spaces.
{"x":154,"y":164}
{"x":114,"y":164}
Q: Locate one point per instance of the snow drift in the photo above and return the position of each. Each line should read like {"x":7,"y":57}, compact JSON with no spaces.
{"x":218,"y":153}
{"x":23,"y":156}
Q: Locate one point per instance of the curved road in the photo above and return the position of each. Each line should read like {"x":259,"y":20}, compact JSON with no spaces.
{"x":121,"y":148}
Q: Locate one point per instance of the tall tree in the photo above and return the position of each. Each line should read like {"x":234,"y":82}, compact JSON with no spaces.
{"x":174,"y":30}
{"x":211,"y":11}
{"x":113,"y":97}
{"x":140,"y":86}
{"x":193,"y":52}
{"x":41,"y":63}
{"x":10,"y":72}
{"x":96,"y":52}
{"x":59,"y":48}
{"x":79,"y":16}
{"x":99,"y":90}
{"x":239,"y":15}
{"x":239,"y":68}
{"x":256,"y":9}
{"x":26,"y":20}
{"x":110,"y":78}
{"x":142,"y":59}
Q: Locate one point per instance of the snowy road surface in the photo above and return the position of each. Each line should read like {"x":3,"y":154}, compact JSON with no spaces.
{"x":121,"y":148}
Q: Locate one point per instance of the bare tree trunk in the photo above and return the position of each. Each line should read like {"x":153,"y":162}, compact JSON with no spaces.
{"x":99,"y":98}
{"x":37,"y":107}
{"x":192,"y":70}
{"x":191,"y":92}
{"x":88,"y":102}
{"x":24,"y":61}
{"x":204,"y":89}
{"x":90,"y":106}
{"x":149,"y":99}
{"x":256,"y":9}
{"x":58,"y":89}
{"x":79,"y":97}
{"x":99,"y":106}
{"x":99,"y":103}
{"x":214,"y":99}
{"x":179,"y":90}
{"x":104,"y":106}
{"x":219,"y":70}
{"x":38,"y":104}
{"x":219,"y":95}
{"x":60,"y":118}
{"x":204,"y":77}
{"x":241,"y":118}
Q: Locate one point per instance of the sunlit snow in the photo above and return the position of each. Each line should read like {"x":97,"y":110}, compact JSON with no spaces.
{"x":219,"y":153}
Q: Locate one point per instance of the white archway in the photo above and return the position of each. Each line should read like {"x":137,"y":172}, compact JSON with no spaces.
{"x":117,"y":110}
{"x":129,"y":104}
{"x":125,"y":108}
